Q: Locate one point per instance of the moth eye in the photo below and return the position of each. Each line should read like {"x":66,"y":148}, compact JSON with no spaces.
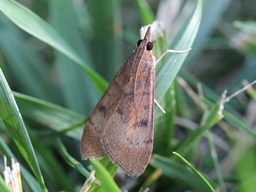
{"x":138,"y":43}
{"x":149,"y":46}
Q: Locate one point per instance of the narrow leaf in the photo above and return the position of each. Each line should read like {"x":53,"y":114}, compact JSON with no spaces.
{"x":11,"y":117}
{"x":168,"y":71}
{"x":34,"y":25}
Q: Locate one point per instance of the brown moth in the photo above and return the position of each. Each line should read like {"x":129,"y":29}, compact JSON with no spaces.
{"x":121,"y":124}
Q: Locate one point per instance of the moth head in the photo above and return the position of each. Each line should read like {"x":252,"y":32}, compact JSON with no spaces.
{"x":147,"y":38}
{"x":149,"y":46}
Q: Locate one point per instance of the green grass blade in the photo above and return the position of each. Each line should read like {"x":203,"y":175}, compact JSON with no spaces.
{"x":14,"y":123}
{"x":212,"y":118}
{"x":210,"y":188}
{"x":177,"y":171}
{"x":216,"y":162}
{"x":213,"y":12}
{"x":3,"y":186}
{"x":164,"y":123}
{"x":112,"y":168}
{"x":34,"y":25}
{"x":54,"y":173}
{"x":77,"y":89}
{"x":70,"y":160}
{"x":106,"y":27}
{"x":107,"y":182}
{"x":22,"y":61}
{"x":51,"y":115}
{"x":247,"y":186}
{"x":248,"y":26}
{"x":146,"y":15}
{"x":237,"y":122}
{"x":30,"y":181}
{"x":168,"y":71}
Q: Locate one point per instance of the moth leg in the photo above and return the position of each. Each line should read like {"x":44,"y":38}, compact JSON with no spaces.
{"x":171,"y":51}
{"x":158,"y":105}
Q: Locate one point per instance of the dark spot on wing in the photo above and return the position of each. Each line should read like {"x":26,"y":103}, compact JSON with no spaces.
{"x":146,"y":107}
{"x":149,"y":141}
{"x":102,"y":109}
{"x":142,"y":123}
{"x":146,"y":93}
{"x":119,"y":111}
{"x":129,"y":94}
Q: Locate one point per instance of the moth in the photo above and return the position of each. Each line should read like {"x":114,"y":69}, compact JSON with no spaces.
{"x":121,"y":124}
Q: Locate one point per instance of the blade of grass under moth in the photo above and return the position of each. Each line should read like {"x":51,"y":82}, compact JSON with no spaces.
{"x":112,"y":168}
{"x":107,"y":182}
{"x":34,"y":25}
{"x":14,"y":123}
{"x":169,"y":69}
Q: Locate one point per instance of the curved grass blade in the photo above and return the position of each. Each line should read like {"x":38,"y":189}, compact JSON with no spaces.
{"x":34,"y":25}
{"x":177,"y":171}
{"x":70,"y":160}
{"x":195,"y":171}
{"x":169,"y":69}
{"x":21,"y":61}
{"x":53,"y":116}
{"x":30,"y":181}
{"x":11,"y":117}
{"x":79,"y":93}
{"x":237,"y":122}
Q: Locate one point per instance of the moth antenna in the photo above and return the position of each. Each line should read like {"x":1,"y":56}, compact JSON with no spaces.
{"x":159,"y":106}
{"x":171,"y":51}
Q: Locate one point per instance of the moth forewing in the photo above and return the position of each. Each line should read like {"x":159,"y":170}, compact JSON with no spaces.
{"x":90,"y":146}
{"x":122,"y":121}
{"x":128,"y":137}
